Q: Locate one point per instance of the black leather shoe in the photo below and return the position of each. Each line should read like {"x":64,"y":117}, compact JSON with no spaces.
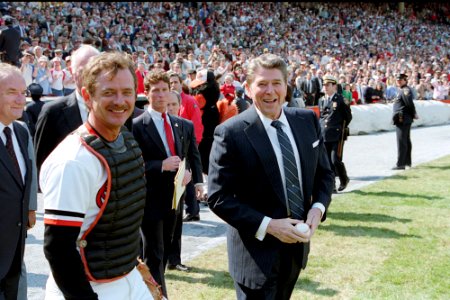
{"x":191,"y":218}
{"x":398,"y":168}
{"x":179,"y":267}
{"x":343,"y":185}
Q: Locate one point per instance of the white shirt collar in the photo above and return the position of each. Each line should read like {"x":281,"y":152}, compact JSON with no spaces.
{"x":154,"y":113}
{"x":267,"y":121}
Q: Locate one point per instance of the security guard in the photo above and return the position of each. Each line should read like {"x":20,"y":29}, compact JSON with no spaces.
{"x":335,"y":116}
{"x":404,"y":113}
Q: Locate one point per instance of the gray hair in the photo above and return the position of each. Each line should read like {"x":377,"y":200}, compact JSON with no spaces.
{"x":178,"y":96}
{"x":7,"y":70}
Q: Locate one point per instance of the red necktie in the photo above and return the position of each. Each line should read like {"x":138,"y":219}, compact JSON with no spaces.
{"x":10,"y":149}
{"x":169,"y":136}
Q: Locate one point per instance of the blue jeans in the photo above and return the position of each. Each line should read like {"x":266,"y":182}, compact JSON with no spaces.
{"x":57,"y":92}
{"x":68,"y":91}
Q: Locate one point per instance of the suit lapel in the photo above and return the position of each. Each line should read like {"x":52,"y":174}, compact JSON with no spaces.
{"x":152,"y":132}
{"x":6,"y":159}
{"x":257,"y":135}
{"x":177,"y":135}
{"x":72,"y":113}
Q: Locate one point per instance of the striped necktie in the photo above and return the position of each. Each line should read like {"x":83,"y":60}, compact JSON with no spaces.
{"x":294,"y":193}
{"x":10,"y":149}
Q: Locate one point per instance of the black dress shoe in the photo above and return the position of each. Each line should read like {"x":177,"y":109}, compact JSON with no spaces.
{"x":398,"y":168}
{"x":343,"y":185}
{"x":179,"y":267}
{"x":191,"y":218}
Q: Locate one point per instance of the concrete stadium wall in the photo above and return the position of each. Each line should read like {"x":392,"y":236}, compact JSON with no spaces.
{"x":378,"y":117}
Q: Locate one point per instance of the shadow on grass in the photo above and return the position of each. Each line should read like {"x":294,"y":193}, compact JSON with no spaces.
{"x":395,"y":194}
{"x":213,"y":278}
{"x":223,"y":280}
{"x":435,"y":167}
{"x":357,"y":231}
{"x":349,"y":216}
{"x":314,"y":287}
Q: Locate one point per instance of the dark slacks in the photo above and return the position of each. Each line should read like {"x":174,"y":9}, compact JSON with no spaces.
{"x":404,"y":145}
{"x":281,"y":283}
{"x":192,"y":206}
{"x":157,"y":236}
{"x":335,"y":158}
{"x":9,"y":285}
{"x":173,"y":253}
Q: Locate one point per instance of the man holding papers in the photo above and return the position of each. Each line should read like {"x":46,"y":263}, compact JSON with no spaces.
{"x":163,"y":141}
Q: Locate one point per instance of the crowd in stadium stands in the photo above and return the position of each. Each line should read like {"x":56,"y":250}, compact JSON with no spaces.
{"x":364,"y":45}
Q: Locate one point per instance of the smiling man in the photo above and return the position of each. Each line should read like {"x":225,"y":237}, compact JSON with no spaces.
{"x":94,"y":193}
{"x":16,"y":180}
{"x":268,"y":172}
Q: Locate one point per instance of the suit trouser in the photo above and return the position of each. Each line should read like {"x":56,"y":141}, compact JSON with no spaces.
{"x":404,"y":145}
{"x":9,"y":285}
{"x":157,"y":236}
{"x":192,"y":206}
{"x":173,"y":253}
{"x":335,"y":158}
{"x":281,"y":283}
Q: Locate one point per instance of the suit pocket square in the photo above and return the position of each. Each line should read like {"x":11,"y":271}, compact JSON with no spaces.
{"x":315,"y":144}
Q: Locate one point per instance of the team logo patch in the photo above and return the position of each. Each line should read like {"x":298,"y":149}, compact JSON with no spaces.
{"x":406,"y":92}
{"x":101,"y":195}
{"x":334,"y":104}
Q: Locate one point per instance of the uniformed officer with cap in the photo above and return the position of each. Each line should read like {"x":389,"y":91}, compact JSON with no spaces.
{"x":404,"y":115}
{"x":335,"y":116}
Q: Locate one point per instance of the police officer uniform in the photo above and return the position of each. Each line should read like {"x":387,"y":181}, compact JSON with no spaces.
{"x":403,"y":116}
{"x":335,"y":116}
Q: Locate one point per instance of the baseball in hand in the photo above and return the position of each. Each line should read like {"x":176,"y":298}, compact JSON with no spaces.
{"x":302,"y":227}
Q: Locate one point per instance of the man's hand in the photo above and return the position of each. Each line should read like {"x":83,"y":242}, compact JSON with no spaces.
{"x":171,"y":163}
{"x":31,"y":219}
{"x":187,"y":177}
{"x":285,"y":231}
{"x":313,"y":219}
{"x":199,"y":190}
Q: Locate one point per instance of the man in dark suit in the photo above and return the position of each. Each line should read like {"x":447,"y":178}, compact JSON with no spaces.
{"x":268,"y":172}
{"x":310,"y":88}
{"x":190,"y":151}
{"x":10,"y":43}
{"x":335,"y":116}
{"x":403,"y":117}
{"x":63,"y":115}
{"x":160,"y":137}
{"x":15,"y":185}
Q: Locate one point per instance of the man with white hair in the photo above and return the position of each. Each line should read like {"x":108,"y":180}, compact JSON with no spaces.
{"x":62,"y":116}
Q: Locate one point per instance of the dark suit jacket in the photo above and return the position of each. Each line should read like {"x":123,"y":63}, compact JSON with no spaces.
{"x":244,"y":185}
{"x":57,"y":119}
{"x":160,"y":185}
{"x":332,"y":117}
{"x":14,"y":201}
{"x":9,"y":44}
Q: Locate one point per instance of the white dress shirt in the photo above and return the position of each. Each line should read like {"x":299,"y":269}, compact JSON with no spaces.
{"x":273,"y":137}
{"x":159,"y":123}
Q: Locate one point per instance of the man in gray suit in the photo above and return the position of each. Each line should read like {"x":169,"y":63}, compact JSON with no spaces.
{"x":268,"y":172}
{"x":15,"y":186}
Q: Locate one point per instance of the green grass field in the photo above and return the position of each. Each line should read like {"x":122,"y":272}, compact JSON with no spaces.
{"x":390,"y":240}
